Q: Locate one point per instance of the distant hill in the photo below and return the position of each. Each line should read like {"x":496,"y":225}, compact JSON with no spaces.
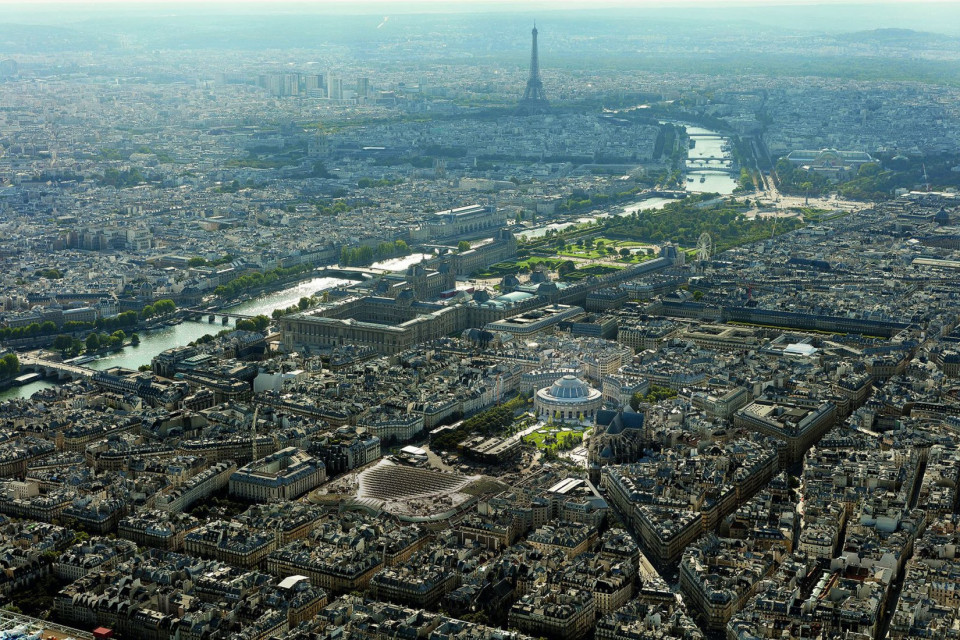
{"x":900,"y":38}
{"x":26,"y":38}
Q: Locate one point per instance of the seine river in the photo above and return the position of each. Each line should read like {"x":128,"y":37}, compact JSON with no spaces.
{"x":153,"y":342}
{"x":714,"y":180}
{"x":707,"y":144}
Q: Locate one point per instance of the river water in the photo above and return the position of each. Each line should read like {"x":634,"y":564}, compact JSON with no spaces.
{"x":708,"y":146}
{"x":153,"y":342}
{"x":288,"y":297}
{"x":25,"y":391}
{"x":401,"y":264}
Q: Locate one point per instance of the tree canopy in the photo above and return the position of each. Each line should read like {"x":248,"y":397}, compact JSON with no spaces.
{"x":9,"y":365}
{"x":684,"y":220}
{"x":489,"y":422}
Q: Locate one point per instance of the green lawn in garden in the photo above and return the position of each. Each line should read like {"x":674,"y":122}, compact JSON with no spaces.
{"x":540,"y":436}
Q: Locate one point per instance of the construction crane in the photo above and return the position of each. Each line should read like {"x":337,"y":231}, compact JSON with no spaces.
{"x":750,"y":286}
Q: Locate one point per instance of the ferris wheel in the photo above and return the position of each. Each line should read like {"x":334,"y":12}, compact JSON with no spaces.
{"x":704,"y":247}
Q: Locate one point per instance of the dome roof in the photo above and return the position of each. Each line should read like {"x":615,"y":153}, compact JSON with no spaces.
{"x":569,"y":387}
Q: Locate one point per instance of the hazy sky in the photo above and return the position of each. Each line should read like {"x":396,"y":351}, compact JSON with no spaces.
{"x":402,"y":5}
{"x":942,"y":16}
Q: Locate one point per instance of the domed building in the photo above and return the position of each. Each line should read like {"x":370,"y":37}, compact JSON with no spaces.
{"x":569,"y":399}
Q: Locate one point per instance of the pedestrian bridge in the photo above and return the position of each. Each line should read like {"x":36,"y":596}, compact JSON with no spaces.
{"x":712,"y":168}
{"x":198,"y":314}
{"x":35,"y":362}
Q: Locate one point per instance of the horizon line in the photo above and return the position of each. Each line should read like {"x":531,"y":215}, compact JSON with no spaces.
{"x":403,"y":5}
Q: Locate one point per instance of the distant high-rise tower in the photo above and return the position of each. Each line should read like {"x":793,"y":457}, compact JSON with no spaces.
{"x":335,"y":88}
{"x":534,"y":98}
{"x":8,"y":68}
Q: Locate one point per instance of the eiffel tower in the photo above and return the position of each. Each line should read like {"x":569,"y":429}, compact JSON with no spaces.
{"x":534,"y":100}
